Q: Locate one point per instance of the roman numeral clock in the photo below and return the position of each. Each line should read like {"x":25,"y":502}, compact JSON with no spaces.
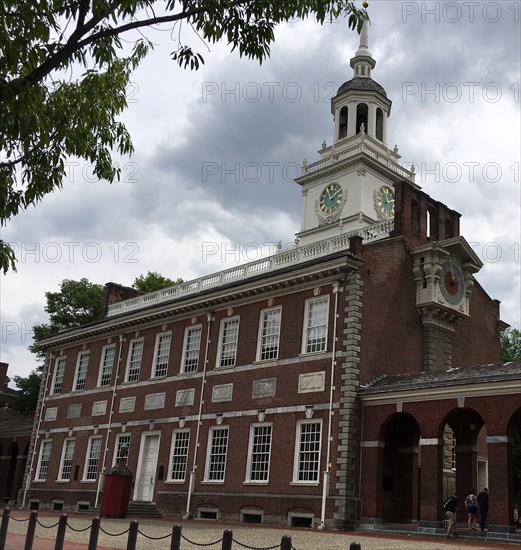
{"x":443,"y":272}
{"x":330,"y":203}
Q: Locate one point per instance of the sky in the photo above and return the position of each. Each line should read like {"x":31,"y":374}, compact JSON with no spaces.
{"x":210,"y":184}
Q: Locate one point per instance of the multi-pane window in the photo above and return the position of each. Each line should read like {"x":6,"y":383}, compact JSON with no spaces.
{"x":43,"y":460}
{"x":315,"y":327}
{"x":259,"y":456}
{"x":93,"y":455}
{"x":179,"y":454}
{"x":269,"y":333}
{"x":191,"y":348}
{"x":307,"y":455}
{"x":81,"y":370}
{"x":162,"y":352}
{"x":228,"y":342}
{"x":135,"y":351}
{"x":66,"y":462}
{"x":58,"y":375}
{"x":106,"y":365}
{"x":122,"y":449}
{"x":216,"y":456}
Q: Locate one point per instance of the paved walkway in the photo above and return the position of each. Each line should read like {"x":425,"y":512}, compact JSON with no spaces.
{"x":154,"y":535}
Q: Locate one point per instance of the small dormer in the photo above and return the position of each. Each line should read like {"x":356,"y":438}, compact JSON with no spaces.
{"x":361,"y":104}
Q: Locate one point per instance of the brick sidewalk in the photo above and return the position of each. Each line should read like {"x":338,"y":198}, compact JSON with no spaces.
{"x":17,"y":542}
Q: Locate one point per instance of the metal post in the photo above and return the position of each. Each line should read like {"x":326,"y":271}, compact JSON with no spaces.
{"x":355,"y":546}
{"x":60,"y":535}
{"x":31,"y":528}
{"x":176,"y":538}
{"x":132,"y":535}
{"x":94,"y":533}
{"x":227,"y":539}
{"x":285,"y":543}
{"x":3,"y":528}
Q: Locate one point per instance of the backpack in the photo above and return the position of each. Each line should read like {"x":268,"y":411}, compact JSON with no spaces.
{"x":445,"y":504}
{"x":472,"y":501}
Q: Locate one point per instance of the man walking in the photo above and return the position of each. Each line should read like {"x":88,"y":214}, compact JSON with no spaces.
{"x":483,"y":508}
{"x":451,"y":506}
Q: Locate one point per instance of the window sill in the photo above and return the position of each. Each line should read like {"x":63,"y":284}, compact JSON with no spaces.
{"x":308,"y":353}
{"x":175,"y":481}
{"x":305,"y":483}
{"x":260,"y":483}
{"x":213,"y":482}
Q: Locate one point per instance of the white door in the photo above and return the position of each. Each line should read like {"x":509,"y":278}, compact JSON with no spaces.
{"x":147,"y":470}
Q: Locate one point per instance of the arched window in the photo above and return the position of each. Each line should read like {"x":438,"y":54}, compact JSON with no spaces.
{"x":362,"y":114}
{"x":432,"y":224}
{"x":379,"y":124}
{"x":342,"y":125}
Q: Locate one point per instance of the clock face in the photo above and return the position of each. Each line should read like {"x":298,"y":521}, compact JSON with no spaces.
{"x":452,"y":284}
{"x":331,"y":199}
{"x":385,"y":202}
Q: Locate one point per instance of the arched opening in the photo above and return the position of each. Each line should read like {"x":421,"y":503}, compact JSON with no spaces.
{"x":465,"y":457}
{"x":362,"y":116}
{"x":8,"y":488}
{"x":432,"y":224}
{"x":515,"y":434}
{"x":342,"y":123}
{"x":379,"y":124}
{"x":399,"y":484}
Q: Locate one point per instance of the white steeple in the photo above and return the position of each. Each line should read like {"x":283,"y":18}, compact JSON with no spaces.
{"x":363,"y":61}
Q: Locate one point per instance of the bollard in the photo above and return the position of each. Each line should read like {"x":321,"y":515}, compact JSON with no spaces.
{"x":60,"y":535}
{"x":94,"y":533}
{"x":285,"y":543}
{"x":132,"y":535}
{"x":355,"y":546}
{"x":3,"y":528}
{"x":227,"y":539}
{"x":31,"y":528}
{"x":176,"y":538}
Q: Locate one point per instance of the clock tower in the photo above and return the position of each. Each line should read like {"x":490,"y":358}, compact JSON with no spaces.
{"x":351,"y":187}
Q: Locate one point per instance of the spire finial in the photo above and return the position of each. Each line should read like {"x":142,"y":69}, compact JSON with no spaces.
{"x":363,"y":62}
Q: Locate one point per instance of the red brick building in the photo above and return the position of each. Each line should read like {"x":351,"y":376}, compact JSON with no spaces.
{"x":15,"y":436}
{"x":352,"y":378}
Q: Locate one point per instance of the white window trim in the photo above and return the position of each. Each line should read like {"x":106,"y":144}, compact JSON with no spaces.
{"x":259,"y":335}
{"x":248,"y":479}
{"x":223,"y":321}
{"x":56,"y":363}
{"x":185,"y":344}
{"x":305,"y":324}
{"x":116,"y":445}
{"x":169,"y":478}
{"x":44,"y":443}
{"x":102,"y":360}
{"x":300,"y":423}
{"x":87,"y":458}
{"x":208,"y":453}
{"x":131,"y":344}
{"x":62,"y":460}
{"x":77,"y":372}
{"x":156,"y":348}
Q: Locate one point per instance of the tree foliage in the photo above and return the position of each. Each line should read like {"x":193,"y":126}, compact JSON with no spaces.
{"x":511,"y":345}
{"x":153,"y":281}
{"x":65,"y":69}
{"x":75,"y":304}
{"x":27,"y":399}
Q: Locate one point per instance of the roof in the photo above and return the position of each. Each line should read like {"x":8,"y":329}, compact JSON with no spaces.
{"x":451,"y":377}
{"x":364,"y":84}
